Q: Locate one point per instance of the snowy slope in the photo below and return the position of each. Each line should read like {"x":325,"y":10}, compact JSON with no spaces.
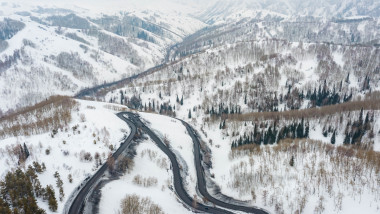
{"x":150,"y":161}
{"x":222,"y":9}
{"x":97,"y":129}
{"x":179,"y":142}
{"x":62,"y":50}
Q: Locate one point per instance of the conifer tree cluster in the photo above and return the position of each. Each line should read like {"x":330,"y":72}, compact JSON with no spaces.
{"x":223,"y":109}
{"x":356,"y":130}
{"x":270,"y":134}
{"x":167,"y":109}
{"x":19,"y":190}
{"x":318,"y":97}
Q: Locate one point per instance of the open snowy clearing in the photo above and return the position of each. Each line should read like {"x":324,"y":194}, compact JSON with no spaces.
{"x":150,"y":162}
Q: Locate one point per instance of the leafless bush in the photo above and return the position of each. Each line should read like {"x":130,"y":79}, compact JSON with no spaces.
{"x":145,"y":182}
{"x":125,"y":164}
{"x":82,"y":118}
{"x":85,"y":156}
{"x":111,"y":163}
{"x":135,"y":204}
{"x":166,"y":140}
{"x":115,"y":108}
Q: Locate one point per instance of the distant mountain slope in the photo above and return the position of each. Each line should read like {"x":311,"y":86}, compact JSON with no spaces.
{"x":49,"y":51}
{"x":222,"y":9}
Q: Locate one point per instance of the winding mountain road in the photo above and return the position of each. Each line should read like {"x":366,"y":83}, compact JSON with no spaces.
{"x":134,"y":122}
{"x":202,"y":186}
{"x":178,"y":183}
{"x":78,"y":202}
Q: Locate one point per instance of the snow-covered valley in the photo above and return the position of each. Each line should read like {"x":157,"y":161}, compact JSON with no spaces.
{"x":283,"y":97}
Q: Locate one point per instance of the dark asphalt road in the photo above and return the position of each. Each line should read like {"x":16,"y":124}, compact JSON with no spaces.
{"x":202,"y":181}
{"x":134,"y":122}
{"x":78,"y":203}
{"x":178,"y":183}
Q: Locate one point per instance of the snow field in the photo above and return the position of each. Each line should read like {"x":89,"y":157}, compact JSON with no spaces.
{"x":324,"y":178}
{"x":150,"y":162}
{"x":95,"y":124}
{"x":180,"y":143}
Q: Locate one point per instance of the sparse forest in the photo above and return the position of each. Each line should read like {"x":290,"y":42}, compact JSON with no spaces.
{"x":305,"y":171}
{"x":283,"y":98}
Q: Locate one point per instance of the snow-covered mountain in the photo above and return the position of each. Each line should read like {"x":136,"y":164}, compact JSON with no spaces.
{"x":53,"y":50}
{"x":223,"y":9}
{"x":300,"y":76}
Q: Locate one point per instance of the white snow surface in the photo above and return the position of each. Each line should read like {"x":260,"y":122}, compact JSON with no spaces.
{"x":38,"y":66}
{"x":180,"y":143}
{"x":101,"y":124}
{"x":145,"y":166}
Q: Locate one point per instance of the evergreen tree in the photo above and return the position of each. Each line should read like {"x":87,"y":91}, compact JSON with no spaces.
{"x":26,"y":151}
{"x":306,"y":134}
{"x":348,"y":78}
{"x":291,"y":162}
{"x":347,"y":139}
{"x":333,"y":137}
{"x":299,"y":131}
{"x":4,"y":207}
{"x":182,"y":100}
{"x":367,"y":125}
{"x":121,"y":97}
{"x":189,"y":114}
{"x":324,"y":131}
{"x":52,"y":201}
{"x":17,"y":190}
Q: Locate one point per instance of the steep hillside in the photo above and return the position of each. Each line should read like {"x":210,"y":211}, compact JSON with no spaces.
{"x":49,"y":51}
{"x":282,"y":98}
{"x":61,"y":142}
{"x":267,"y":75}
{"x":244,"y":97}
{"x":222,"y":10}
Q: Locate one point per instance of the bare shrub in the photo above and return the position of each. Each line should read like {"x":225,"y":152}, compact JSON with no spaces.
{"x":111,"y":163}
{"x":85,"y":156}
{"x":115,"y":107}
{"x":82,"y":118}
{"x":125,"y":164}
{"x":145,"y":182}
{"x":166,"y":140}
{"x":135,"y":204}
